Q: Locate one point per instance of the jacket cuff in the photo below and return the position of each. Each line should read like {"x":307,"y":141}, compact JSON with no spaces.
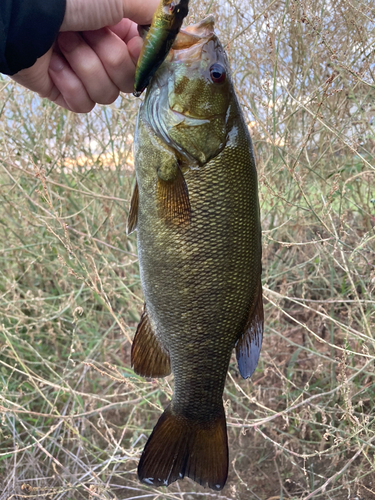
{"x":32,"y":30}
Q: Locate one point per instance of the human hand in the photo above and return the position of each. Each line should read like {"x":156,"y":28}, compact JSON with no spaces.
{"x":94,"y":56}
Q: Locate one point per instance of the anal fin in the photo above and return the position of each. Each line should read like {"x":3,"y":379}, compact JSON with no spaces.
{"x":249,"y":344}
{"x":148,"y":356}
{"x":133,"y":211}
{"x":173,"y":200}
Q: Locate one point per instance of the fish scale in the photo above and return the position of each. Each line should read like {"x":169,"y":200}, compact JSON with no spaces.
{"x":199,"y":246}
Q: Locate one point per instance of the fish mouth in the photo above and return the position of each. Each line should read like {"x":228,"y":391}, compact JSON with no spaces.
{"x":195,"y":34}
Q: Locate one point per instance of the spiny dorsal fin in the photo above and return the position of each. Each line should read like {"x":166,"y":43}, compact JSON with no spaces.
{"x":180,"y":447}
{"x":173,"y":200}
{"x":148,"y":356}
{"x":249,"y":344}
{"x":133,"y":211}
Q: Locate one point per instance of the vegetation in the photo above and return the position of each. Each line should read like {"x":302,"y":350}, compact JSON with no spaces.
{"x":74,"y":417}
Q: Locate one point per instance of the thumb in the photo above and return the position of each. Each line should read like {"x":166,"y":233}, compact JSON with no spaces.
{"x":83,"y":15}
{"x":37,"y":77}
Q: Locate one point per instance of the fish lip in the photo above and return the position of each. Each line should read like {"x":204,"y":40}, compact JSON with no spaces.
{"x":197,"y":33}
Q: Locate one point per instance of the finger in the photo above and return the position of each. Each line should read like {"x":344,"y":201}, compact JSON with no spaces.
{"x":56,"y":97}
{"x":73,"y":93}
{"x":88,"y":67}
{"x":61,"y":102}
{"x":134,"y":47}
{"x":114,"y":56}
{"x":129,"y":33}
{"x":125,"y":29}
{"x":93,"y":15}
{"x":37,"y":78}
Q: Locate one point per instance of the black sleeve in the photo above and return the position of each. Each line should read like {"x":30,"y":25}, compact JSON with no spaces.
{"x":28,"y":29}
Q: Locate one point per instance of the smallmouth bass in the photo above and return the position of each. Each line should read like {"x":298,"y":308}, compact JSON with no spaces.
{"x":166,"y":24}
{"x":196,"y":210}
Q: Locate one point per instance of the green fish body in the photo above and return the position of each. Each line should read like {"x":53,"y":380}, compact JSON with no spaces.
{"x":196,"y":210}
{"x":165,"y":26}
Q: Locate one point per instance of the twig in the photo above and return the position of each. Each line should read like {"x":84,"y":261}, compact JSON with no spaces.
{"x":332,"y":478}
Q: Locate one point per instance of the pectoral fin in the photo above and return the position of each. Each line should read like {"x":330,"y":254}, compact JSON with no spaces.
{"x":133,"y":211}
{"x":173,"y":199}
{"x":249,"y":344}
{"x":148,"y":356}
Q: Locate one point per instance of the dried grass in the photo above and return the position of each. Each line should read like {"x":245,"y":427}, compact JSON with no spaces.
{"x":74,"y":418}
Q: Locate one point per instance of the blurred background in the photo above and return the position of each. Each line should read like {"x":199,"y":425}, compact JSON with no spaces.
{"x":73,"y":416}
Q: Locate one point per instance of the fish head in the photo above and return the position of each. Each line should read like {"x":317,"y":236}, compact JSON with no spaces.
{"x":190,"y":96}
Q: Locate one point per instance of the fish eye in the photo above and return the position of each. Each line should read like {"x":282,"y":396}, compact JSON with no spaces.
{"x":218,"y":73}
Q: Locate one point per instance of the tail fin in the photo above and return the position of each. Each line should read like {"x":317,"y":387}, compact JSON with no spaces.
{"x":181,"y":447}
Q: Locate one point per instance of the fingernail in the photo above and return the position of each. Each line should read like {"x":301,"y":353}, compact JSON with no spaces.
{"x":56,"y":63}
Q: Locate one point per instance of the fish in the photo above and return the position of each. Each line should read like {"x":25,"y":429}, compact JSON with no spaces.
{"x":166,"y":24}
{"x":196,"y":210}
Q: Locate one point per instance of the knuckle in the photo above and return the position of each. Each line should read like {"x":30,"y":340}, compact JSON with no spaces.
{"x":82,"y":107}
{"x":109,"y":97}
{"x":116,"y":60}
{"x":69,"y":41}
{"x":127,"y":86}
{"x":88,"y":69}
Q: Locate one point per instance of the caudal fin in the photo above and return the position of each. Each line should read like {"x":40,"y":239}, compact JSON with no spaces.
{"x":181,"y":447}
